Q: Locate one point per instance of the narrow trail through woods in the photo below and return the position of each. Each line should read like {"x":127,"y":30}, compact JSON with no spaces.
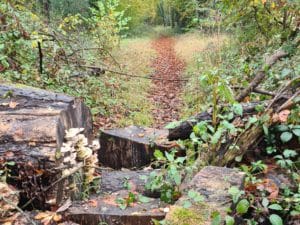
{"x":165,"y":94}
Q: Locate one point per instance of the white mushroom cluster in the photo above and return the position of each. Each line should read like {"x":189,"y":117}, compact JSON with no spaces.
{"x":77,"y":153}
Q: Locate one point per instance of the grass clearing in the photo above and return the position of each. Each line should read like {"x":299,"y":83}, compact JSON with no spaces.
{"x":197,"y":50}
{"x":135,"y":56}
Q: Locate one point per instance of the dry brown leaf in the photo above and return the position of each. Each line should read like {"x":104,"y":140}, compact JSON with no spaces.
{"x":57,"y":218}
{"x":13,"y":105}
{"x":93,"y":203}
{"x":283,"y":115}
{"x":41,"y":215}
{"x":47,"y":220}
{"x":141,"y":135}
{"x":275,"y":118}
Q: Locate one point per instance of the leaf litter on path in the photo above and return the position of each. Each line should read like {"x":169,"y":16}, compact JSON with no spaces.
{"x":165,"y":93}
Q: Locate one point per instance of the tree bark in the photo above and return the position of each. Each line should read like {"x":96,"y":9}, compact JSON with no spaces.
{"x":184,"y":130}
{"x":32,"y":127}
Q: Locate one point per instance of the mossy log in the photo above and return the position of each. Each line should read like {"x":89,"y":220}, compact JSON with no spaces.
{"x":32,"y":127}
{"x":212,"y":183}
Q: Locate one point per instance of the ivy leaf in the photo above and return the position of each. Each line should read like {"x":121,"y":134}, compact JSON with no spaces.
{"x":296,"y":132}
{"x":265,"y":202}
{"x":282,"y":128}
{"x":172,"y":125}
{"x":187,"y":204}
{"x":286,"y":137}
{"x":229,"y":220}
{"x":243,"y":206}
{"x":289,"y":153}
{"x":237,"y":109}
{"x":216,"y":218}
{"x":216,"y":137}
{"x":144,"y":199}
{"x":169,"y":156}
{"x":275,"y":207}
{"x":275,"y":220}
{"x":285,"y":72}
{"x":159,"y":155}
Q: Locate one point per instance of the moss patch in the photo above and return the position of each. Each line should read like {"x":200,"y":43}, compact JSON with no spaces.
{"x":191,"y":216}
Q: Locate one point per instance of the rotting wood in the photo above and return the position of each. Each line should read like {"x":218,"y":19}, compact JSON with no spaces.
{"x":131,"y":147}
{"x":251,"y":136}
{"x":32,"y":127}
{"x":104,"y":209}
{"x":185,"y":128}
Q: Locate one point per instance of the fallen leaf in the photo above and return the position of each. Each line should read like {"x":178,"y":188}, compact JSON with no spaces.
{"x":269,"y":186}
{"x":65,"y":206}
{"x":13,"y":105}
{"x":93,"y":203}
{"x":275,"y":118}
{"x":41,"y":215}
{"x":283,"y":115}
{"x":141,"y":135}
{"x":57,"y":218}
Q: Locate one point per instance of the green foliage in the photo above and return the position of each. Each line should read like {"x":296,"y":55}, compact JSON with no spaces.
{"x":166,"y":181}
{"x":5,"y":170}
{"x":66,"y":45}
{"x":263,"y":21}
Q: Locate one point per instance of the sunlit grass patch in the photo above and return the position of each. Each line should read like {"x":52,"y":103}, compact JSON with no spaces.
{"x":135,"y":56}
{"x":192,"y":47}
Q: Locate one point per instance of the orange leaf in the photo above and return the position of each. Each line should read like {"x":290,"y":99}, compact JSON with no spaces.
{"x":13,"y":105}
{"x":93,"y":203}
{"x":57,"y":218}
{"x":41,"y":215}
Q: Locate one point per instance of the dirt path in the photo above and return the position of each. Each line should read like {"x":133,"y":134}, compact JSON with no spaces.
{"x":165,"y":94}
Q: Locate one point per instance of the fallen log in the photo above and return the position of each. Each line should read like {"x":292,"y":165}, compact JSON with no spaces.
{"x":185,"y":128}
{"x":104,"y":209}
{"x":253,"y":135}
{"x":32,"y":128}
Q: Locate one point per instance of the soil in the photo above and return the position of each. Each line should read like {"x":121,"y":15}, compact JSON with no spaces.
{"x":165,"y":94}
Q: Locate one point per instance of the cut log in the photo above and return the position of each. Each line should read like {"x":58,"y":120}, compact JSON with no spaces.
{"x":32,"y":127}
{"x":131,"y":147}
{"x":212,"y":183}
{"x":105,"y":210}
{"x":113,"y":181}
{"x":185,"y":128}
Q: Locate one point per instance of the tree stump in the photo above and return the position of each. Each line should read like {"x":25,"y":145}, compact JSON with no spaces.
{"x":131,"y":147}
{"x":32,"y":128}
{"x":105,"y":210}
{"x":212,"y":183}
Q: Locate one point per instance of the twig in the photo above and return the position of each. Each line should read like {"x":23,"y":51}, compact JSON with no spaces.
{"x":40,"y":57}
{"x":131,"y":75}
{"x":19,"y":209}
{"x":259,"y":91}
{"x":281,"y":91}
{"x":270,"y":61}
{"x":54,"y":183}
